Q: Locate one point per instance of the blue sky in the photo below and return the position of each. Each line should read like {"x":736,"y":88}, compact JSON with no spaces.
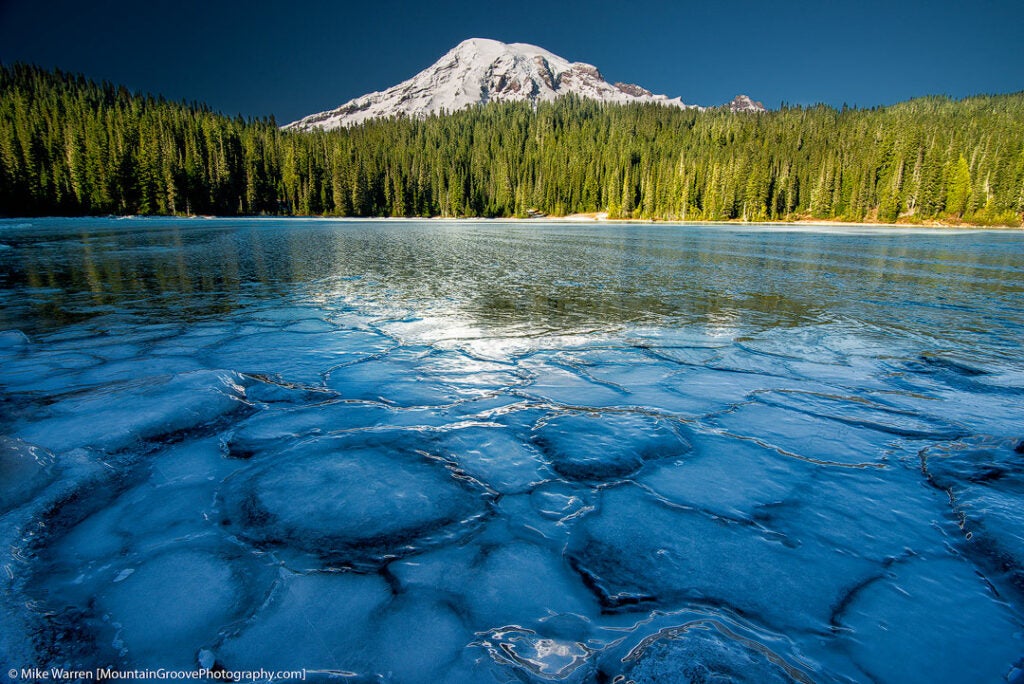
{"x":294,"y":58}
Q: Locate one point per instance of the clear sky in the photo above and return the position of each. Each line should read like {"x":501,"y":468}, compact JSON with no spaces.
{"x":290,"y":58}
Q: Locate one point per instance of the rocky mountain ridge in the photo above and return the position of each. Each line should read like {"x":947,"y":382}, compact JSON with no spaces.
{"x":478,"y":71}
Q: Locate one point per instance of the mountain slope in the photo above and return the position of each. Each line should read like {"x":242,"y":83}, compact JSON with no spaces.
{"x":742,"y":103}
{"x":477,"y":71}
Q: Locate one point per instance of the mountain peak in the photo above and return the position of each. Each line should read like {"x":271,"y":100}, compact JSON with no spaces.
{"x":742,"y":103}
{"x":481,"y":70}
{"x":478,"y":42}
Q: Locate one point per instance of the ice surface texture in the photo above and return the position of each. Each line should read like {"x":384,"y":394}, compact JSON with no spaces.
{"x":606,"y":446}
{"x":355,"y":498}
{"x":478,"y":452}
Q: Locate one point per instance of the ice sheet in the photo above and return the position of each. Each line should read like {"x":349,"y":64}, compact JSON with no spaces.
{"x":419,"y":452}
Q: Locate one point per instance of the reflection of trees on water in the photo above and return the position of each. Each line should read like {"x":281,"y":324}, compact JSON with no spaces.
{"x":549,"y":278}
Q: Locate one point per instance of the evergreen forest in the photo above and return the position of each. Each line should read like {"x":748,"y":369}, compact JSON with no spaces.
{"x":69,"y":146}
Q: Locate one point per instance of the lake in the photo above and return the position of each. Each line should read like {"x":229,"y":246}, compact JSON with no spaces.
{"x":432,"y":451}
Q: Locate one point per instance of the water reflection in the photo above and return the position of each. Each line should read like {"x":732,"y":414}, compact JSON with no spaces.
{"x":508,"y":276}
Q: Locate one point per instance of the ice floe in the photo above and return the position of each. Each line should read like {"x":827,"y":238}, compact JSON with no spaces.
{"x":600,"y":446}
{"x":352,"y":499}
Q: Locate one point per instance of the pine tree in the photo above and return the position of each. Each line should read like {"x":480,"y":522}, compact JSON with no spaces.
{"x":958,"y":187}
{"x":69,"y":146}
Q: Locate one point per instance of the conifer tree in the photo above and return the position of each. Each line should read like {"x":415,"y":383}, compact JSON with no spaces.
{"x":70,"y":146}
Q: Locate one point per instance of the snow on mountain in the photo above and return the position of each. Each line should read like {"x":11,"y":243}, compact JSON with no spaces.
{"x":477,"y":71}
{"x":742,"y":103}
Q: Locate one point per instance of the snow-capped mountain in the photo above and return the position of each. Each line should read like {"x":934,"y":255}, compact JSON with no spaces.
{"x":742,"y":103}
{"x":477,"y":71}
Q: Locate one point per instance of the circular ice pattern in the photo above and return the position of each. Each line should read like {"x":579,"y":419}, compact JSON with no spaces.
{"x":353,"y":500}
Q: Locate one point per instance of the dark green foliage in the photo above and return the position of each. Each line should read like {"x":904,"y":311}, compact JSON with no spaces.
{"x":69,"y":146}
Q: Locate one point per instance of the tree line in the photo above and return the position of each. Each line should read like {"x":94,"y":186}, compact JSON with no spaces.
{"x":69,"y":146}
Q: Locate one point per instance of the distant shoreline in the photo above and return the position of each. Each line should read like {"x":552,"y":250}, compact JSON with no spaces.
{"x":603,"y":217}
{"x":589,"y":217}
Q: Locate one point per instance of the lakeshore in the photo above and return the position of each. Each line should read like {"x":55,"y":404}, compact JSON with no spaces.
{"x":931,"y":223}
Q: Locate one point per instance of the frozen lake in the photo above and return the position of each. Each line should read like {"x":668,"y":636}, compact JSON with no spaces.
{"x":512,"y":451}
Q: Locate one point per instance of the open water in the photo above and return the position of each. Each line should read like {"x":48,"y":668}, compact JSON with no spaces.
{"x":394,"y":451}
